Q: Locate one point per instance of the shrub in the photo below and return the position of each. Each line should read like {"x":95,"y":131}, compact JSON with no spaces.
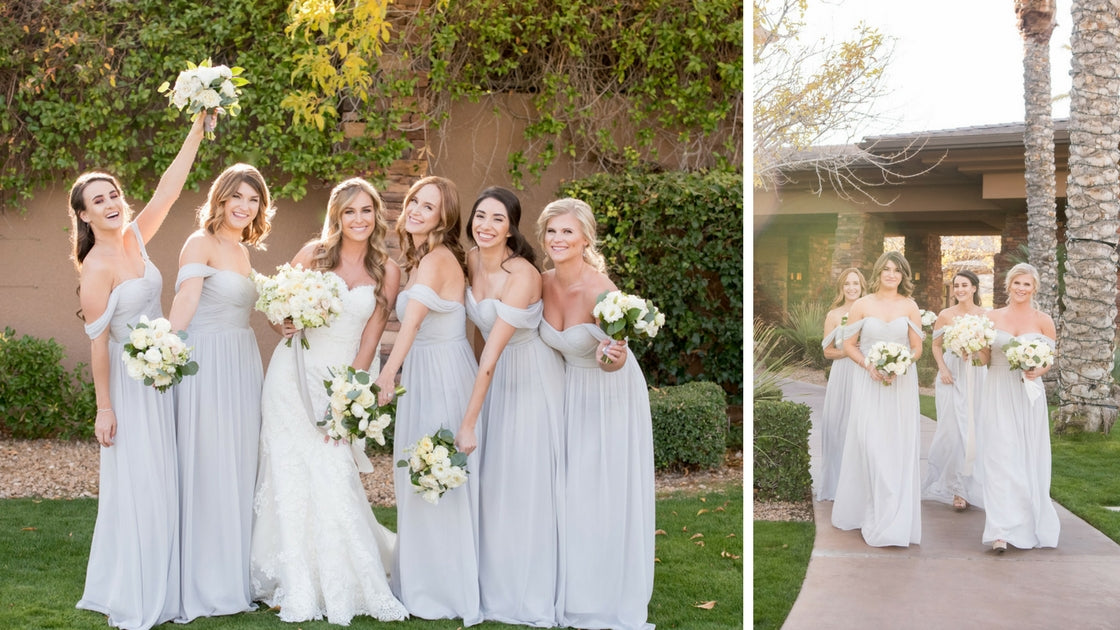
{"x":689,"y":425}
{"x":781,"y":451}
{"x":677,"y":239}
{"x":804,"y":331}
{"x":39,"y":398}
{"x":772,"y":363}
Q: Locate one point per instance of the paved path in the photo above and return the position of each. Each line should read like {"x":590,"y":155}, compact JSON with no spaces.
{"x":952,"y":580}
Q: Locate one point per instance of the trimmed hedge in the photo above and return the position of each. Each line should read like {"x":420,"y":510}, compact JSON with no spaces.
{"x":677,"y":239}
{"x":38,"y":397}
{"x":781,"y":451}
{"x":689,"y":425}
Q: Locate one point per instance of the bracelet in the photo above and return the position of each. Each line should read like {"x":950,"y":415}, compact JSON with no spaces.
{"x":106,"y":409}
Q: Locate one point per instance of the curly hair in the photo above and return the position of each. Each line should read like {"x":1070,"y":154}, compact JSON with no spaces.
{"x":906,"y":287}
{"x":328,"y":250}
{"x":448,"y":231}
{"x":212,"y":213}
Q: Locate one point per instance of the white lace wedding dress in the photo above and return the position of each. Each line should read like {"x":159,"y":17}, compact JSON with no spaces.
{"x":317,"y":549}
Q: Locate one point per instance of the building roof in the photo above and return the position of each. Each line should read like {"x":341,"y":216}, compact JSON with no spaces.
{"x":978,"y":136}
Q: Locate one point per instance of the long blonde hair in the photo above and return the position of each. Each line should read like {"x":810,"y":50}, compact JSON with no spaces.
{"x":212,"y":213}
{"x":446,"y":233}
{"x":841,"y":280}
{"x":586,"y":219}
{"x":328,"y":250}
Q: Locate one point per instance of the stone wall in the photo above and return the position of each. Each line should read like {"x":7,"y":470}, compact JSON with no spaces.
{"x":859,"y":241}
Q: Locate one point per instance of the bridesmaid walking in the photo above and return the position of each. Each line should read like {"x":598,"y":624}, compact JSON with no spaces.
{"x":435,"y":573}
{"x":133,"y":570}
{"x":838,"y":394}
{"x":608,"y":528}
{"x":952,"y":471}
{"x":1015,"y":431}
{"x":521,"y":381}
{"x":219,"y":410}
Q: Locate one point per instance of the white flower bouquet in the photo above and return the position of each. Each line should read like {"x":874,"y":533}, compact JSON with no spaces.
{"x":353,"y":412}
{"x":969,"y":334}
{"x":889,"y":358}
{"x":622,"y":315}
{"x":157,"y":356}
{"x":1027,"y":355}
{"x":928,"y":318}
{"x":435,"y":465}
{"x":204,"y":87}
{"x":309,"y":298}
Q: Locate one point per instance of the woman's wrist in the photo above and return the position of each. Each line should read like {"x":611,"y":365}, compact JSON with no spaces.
{"x":100,"y":409}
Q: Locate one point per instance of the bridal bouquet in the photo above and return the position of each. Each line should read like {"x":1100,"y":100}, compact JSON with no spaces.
{"x":157,"y":356}
{"x":353,"y":412}
{"x":623,"y":315}
{"x":928,"y":318}
{"x":435,"y":465}
{"x":309,"y":298}
{"x":1027,"y":355}
{"x":969,"y":334}
{"x":205,"y":87}
{"x":889,"y":358}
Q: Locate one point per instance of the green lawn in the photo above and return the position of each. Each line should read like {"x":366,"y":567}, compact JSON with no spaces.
{"x":781,"y":556}
{"x":1085,"y":479}
{"x":44,"y":546}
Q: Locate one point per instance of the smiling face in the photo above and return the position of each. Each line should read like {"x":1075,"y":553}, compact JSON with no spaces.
{"x":564,"y":239}
{"x":358,"y":217}
{"x":853,"y":288}
{"x":422,"y":215}
{"x":1021,"y":288}
{"x":104,"y":207}
{"x":490,"y":223}
{"x":963,"y":290}
{"x":241,"y":208}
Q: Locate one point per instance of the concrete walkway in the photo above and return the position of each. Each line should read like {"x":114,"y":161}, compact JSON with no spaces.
{"x":952,"y":580}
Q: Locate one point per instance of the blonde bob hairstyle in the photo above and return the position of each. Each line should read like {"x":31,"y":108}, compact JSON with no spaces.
{"x":586,"y":219}
{"x":328,"y":249}
{"x":906,"y":287}
{"x":448,"y":231}
{"x":1019,"y":270}
{"x":212,"y":214}
{"x":842,"y":279}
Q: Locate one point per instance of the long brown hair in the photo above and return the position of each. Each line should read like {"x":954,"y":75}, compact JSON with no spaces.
{"x":81,"y":234}
{"x":329,"y":248}
{"x":906,"y":287}
{"x":446,"y":233}
{"x":517,"y":243}
{"x":841,"y":280}
{"x":212,"y":213}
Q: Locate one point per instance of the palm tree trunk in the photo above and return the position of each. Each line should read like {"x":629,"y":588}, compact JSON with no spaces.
{"x":1087,"y":332}
{"x":1036,"y":23}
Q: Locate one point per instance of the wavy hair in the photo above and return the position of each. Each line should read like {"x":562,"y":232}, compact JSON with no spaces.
{"x":448,"y":231}
{"x":906,"y":287}
{"x":516,"y":242}
{"x":841,"y":280}
{"x":81,"y":234}
{"x":974,"y":280}
{"x":586,"y":219}
{"x":212,"y":213}
{"x":1019,"y":270}
{"x":328,"y":249}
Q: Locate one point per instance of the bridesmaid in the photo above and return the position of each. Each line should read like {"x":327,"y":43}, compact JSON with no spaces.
{"x":608,"y":528}
{"x":838,"y":395}
{"x":878,"y":491}
{"x":952,"y":473}
{"x":1015,"y":431}
{"x":219,"y":410}
{"x":521,"y":380}
{"x":435,"y":572}
{"x":133,"y":570}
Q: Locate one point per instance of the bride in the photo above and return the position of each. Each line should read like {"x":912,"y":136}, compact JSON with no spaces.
{"x":317,"y":549}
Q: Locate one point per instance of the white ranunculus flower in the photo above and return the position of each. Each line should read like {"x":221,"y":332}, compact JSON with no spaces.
{"x":431,"y":496}
{"x":209,"y":99}
{"x":153,"y":355}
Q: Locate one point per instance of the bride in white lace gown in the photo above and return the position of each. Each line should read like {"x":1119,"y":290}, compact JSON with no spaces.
{"x":317,"y":549}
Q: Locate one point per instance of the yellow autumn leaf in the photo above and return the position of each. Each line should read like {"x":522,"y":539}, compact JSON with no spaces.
{"x":699,"y":543}
{"x":657,"y":560}
{"x":695,"y":536}
{"x":703,"y":499}
{"x":702,"y":511}
{"x":660,"y":532}
{"x":706,"y":605}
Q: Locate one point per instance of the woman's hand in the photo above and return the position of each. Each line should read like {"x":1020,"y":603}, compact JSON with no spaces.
{"x":288,"y":328}
{"x":1032,"y":373}
{"x":466,"y":441}
{"x":386,"y":388}
{"x":613,"y":350}
{"x":945,"y":376}
{"x":105,"y":427}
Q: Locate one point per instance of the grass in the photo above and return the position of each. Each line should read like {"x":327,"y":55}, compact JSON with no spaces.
{"x":1084,"y":478}
{"x":781,"y":556}
{"x":44,"y":547}
{"x":927,"y":406}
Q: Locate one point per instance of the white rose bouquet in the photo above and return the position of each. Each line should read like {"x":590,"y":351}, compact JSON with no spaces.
{"x":435,"y":465}
{"x":204,"y":87}
{"x":890,"y":358}
{"x":157,"y":356}
{"x":1027,"y":355}
{"x":928,"y":318}
{"x":353,"y":412}
{"x":309,"y":298}
{"x":622,"y":315}
{"x":969,"y":334}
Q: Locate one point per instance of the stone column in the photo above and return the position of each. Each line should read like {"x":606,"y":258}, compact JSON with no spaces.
{"x":859,"y":241}
{"x":923,"y":252}
{"x":1013,"y":242}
